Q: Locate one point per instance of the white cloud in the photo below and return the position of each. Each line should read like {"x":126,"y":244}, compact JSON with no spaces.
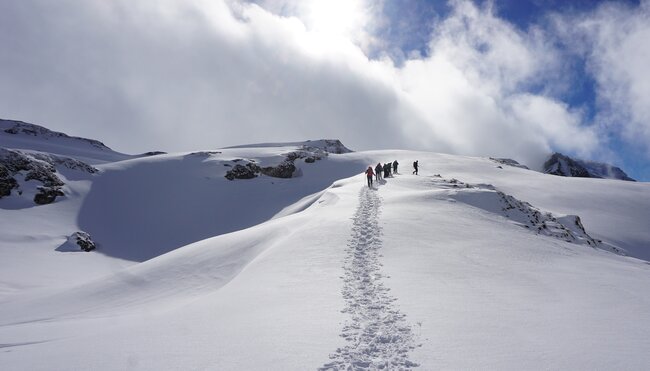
{"x":614,"y":40}
{"x":180,"y":75}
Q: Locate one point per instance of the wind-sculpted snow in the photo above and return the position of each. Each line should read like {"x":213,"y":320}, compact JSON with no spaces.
{"x":377,"y":333}
{"x":568,"y":228}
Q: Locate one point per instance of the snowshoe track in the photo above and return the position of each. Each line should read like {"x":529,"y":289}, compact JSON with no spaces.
{"x":378,"y":336}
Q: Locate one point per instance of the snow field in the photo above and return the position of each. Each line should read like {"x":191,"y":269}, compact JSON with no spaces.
{"x":301,"y":277}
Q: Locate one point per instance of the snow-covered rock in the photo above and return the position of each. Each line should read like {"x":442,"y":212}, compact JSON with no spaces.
{"x":325,"y":145}
{"x":79,"y":240}
{"x":17,"y":168}
{"x":509,"y":162}
{"x":248,"y":171}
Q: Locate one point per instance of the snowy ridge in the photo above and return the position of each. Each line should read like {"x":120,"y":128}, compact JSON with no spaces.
{"x":21,"y":128}
{"x":568,"y":228}
{"x":30,"y":137}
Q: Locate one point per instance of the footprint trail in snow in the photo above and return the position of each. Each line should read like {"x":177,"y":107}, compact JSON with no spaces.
{"x":378,"y":336}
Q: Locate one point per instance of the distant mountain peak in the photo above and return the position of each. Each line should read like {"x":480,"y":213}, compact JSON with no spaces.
{"x":562,"y":165}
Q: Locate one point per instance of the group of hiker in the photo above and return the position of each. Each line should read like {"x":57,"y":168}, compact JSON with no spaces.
{"x":385,"y":171}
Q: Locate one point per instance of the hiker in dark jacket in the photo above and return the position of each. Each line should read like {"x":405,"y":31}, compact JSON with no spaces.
{"x":378,"y":170}
{"x":386,"y":170}
{"x":415,"y":167}
{"x":395,"y":163}
{"x":369,"y":175}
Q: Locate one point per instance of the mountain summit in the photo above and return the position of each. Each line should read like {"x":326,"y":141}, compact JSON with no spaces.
{"x":559,"y":164}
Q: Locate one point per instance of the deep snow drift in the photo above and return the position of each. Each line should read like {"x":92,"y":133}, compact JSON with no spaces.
{"x":468,"y":265}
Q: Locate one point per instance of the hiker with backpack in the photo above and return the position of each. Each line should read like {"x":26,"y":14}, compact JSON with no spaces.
{"x":415,"y":167}
{"x":378,"y":170}
{"x":369,"y":174}
{"x":395,"y":163}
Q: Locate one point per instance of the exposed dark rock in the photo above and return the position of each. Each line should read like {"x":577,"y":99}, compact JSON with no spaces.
{"x":153,"y":153}
{"x":310,"y":159}
{"x":7,"y":182}
{"x":204,"y":153}
{"x":247,"y":171}
{"x":38,"y":167}
{"x":283,"y":170}
{"x":83,"y":240}
{"x":559,"y":164}
{"x":67,"y":162}
{"x":47,"y":195}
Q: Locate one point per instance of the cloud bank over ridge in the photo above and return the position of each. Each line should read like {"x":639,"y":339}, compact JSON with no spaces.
{"x":179,"y":75}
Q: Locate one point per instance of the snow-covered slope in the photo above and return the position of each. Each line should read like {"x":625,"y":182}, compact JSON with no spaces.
{"x":26,"y":136}
{"x":468,"y":265}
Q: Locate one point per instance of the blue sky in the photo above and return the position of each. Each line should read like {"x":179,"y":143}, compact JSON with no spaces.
{"x":413,"y":21}
{"x":505,"y":78}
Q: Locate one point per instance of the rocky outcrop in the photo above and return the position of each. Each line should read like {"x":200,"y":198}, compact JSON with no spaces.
{"x":7,"y":182}
{"x":287,"y":168}
{"x":16,"y":165}
{"x":47,"y":195}
{"x":82,"y":240}
{"x":568,"y":228}
{"x":248,"y":171}
{"x":284,"y":170}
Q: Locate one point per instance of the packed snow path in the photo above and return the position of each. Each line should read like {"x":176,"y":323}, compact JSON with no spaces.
{"x":377,"y":333}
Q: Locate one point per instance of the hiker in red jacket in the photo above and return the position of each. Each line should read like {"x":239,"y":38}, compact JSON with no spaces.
{"x":369,"y":174}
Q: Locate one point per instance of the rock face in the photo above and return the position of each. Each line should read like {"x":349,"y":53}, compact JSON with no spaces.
{"x":559,"y":164}
{"x":39,"y":167}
